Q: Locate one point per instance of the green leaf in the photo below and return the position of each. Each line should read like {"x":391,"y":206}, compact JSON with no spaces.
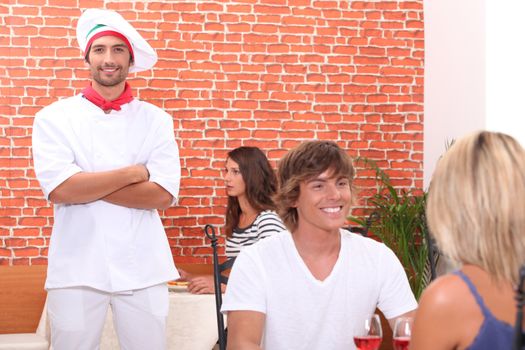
{"x":400,"y":226}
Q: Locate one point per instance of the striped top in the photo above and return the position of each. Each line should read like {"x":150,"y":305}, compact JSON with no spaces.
{"x":265,"y":224}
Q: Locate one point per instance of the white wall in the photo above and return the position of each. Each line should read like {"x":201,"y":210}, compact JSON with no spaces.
{"x":474,"y":73}
{"x":505,"y":67}
{"x":454,"y":74}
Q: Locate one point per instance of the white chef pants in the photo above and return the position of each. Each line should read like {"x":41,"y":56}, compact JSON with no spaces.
{"x":77,"y":317}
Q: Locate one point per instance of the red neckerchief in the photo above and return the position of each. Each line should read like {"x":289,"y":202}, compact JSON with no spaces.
{"x":94,"y":97}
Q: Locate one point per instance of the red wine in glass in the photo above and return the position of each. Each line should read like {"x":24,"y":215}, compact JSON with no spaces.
{"x":402,"y":333}
{"x":369,"y":342}
{"x":401,"y":343}
{"x":368,"y":333}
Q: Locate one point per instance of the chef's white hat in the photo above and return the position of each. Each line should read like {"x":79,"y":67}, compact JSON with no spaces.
{"x":94,"y":23}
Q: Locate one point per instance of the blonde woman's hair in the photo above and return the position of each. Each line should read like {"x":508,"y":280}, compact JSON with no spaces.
{"x":476,"y":203}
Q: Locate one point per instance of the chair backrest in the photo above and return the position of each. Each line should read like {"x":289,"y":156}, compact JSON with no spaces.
{"x":357,"y":229}
{"x":222,"y":268}
{"x":219,"y":278}
{"x":520,"y":303}
{"x":22,"y":297}
{"x":363,"y":230}
{"x":433,"y":251}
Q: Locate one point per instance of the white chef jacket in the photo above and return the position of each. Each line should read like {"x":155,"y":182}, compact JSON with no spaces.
{"x":99,"y":244}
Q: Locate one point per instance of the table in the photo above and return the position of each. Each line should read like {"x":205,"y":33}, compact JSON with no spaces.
{"x":191,"y":325}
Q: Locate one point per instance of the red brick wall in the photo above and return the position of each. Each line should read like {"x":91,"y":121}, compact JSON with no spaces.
{"x":269,"y":73}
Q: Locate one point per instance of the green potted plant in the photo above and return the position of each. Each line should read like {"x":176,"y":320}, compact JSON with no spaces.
{"x":398,"y":220}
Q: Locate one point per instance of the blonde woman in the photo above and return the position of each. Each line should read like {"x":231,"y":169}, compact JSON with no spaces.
{"x":476,"y":211}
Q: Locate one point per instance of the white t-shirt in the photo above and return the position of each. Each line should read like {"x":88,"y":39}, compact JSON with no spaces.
{"x":264,"y":225}
{"x":99,"y":244}
{"x":305,"y":313}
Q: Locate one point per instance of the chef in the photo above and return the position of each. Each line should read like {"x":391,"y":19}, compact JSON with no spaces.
{"x":108,"y":161}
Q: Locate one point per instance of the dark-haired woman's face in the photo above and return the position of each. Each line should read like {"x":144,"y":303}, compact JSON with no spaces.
{"x":235,"y":186}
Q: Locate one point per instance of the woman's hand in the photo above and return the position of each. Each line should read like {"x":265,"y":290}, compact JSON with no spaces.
{"x":184,"y":276}
{"x":201,"y":284}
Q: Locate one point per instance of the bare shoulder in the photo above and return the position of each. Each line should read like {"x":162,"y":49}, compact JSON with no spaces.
{"x":446,"y":291}
{"x":447,"y":317}
{"x":449,"y":298}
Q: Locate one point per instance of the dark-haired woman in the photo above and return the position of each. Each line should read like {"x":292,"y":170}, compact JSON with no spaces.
{"x":250,"y":184}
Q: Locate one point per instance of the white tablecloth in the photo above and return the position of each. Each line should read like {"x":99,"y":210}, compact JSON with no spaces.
{"x":191,"y":325}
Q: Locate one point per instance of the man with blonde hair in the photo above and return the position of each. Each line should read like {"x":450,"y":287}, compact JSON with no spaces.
{"x":108,"y":161}
{"x":310,"y":287}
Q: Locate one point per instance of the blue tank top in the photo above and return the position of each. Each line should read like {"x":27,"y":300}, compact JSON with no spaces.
{"x":493,"y":333}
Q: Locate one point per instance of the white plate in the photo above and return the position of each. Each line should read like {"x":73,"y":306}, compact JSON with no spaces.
{"x":177,"y":287}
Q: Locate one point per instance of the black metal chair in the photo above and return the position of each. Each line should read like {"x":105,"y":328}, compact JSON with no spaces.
{"x":433,"y":252}
{"x":518,"y":330}
{"x":218,"y":279}
{"x":363,"y":230}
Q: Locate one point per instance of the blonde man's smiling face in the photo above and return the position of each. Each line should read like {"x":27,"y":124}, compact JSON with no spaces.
{"x":324,"y":202}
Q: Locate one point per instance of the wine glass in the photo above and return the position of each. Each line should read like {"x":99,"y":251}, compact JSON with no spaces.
{"x":402,"y":333}
{"x":368,"y":334}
